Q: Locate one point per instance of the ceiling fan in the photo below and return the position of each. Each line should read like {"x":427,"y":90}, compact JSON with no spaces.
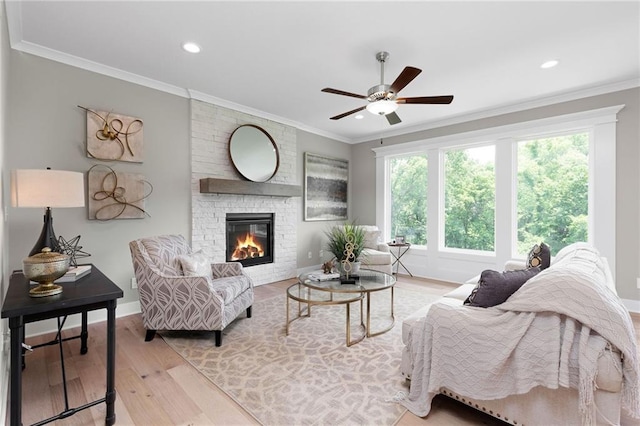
{"x":383,"y":98}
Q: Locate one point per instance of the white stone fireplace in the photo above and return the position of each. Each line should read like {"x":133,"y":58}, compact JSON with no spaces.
{"x":211,"y":127}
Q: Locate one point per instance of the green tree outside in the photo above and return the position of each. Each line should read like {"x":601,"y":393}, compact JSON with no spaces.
{"x":553,"y":188}
{"x":470,"y":193}
{"x":552,"y":195}
{"x":409,"y":198}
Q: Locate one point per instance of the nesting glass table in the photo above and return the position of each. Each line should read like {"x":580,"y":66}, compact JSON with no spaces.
{"x":310,"y":292}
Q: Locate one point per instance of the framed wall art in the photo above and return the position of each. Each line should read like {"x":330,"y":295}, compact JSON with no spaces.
{"x":325,"y":187}
{"x":114,"y":137}
{"x":116,"y":195}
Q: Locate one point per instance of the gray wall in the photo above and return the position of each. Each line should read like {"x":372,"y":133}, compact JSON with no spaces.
{"x":627,"y":173}
{"x":46,"y":128}
{"x":311,"y":234}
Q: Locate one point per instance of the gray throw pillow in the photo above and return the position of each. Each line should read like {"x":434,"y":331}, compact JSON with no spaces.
{"x":540,"y":255}
{"x":495,"y":287}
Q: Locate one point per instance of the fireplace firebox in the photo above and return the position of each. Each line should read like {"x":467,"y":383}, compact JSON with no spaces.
{"x":250,"y":238}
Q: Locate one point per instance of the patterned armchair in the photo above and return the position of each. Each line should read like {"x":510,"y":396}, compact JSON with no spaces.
{"x":176,"y":295}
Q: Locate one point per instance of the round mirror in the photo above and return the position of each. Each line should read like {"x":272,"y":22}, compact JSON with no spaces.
{"x":253,"y":153}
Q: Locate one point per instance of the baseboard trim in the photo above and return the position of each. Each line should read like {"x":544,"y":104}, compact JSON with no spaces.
{"x":632,"y":305}
{"x":50,"y":325}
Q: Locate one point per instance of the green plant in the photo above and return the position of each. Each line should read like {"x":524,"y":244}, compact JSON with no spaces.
{"x":338,"y":236}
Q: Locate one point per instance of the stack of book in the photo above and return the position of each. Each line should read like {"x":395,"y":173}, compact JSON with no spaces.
{"x":74,"y":273}
{"x":321,"y":276}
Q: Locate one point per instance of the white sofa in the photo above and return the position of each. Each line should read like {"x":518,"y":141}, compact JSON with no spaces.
{"x":539,"y":405}
{"x":375,"y":254}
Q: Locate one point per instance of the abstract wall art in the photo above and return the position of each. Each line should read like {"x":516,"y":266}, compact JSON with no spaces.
{"x":325,"y":187}
{"x":114,"y":137}
{"x":116,"y":195}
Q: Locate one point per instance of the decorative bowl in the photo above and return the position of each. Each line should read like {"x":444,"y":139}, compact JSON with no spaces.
{"x":44,"y":268}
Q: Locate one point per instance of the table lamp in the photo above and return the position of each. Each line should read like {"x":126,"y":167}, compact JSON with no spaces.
{"x":46,"y":189}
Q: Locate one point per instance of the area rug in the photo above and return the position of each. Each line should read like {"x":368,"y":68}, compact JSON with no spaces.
{"x":309,"y":377}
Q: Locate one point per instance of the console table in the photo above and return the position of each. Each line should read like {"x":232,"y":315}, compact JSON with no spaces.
{"x":91,"y":292}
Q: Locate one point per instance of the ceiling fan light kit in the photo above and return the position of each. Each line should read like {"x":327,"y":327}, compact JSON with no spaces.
{"x":382,"y":107}
{"x":383,"y":98}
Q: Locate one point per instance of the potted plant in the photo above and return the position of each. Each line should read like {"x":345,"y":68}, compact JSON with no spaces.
{"x":339,"y":236}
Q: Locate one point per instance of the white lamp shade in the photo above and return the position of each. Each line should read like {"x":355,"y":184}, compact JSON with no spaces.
{"x":382,"y":107}
{"x":47,"y":188}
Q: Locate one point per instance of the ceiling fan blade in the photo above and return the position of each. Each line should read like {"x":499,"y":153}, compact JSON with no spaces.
{"x":405,"y":77}
{"x":426,"y":100}
{"x":393,"y":118}
{"x":338,"y":117}
{"x":343,"y":93}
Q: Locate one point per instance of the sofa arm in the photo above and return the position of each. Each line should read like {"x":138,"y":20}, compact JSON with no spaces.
{"x":228,"y":269}
{"x":384,"y":247}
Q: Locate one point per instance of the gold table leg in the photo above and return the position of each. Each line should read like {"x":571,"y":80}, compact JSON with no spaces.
{"x":393,"y":318}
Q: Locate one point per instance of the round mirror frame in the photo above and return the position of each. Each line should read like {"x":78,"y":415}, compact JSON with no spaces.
{"x":248,"y":170}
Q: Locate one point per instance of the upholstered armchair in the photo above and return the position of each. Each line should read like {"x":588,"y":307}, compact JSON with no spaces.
{"x":181,"y":290}
{"x":375,"y":254}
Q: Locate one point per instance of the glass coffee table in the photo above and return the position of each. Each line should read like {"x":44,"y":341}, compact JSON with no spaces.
{"x":311,"y":292}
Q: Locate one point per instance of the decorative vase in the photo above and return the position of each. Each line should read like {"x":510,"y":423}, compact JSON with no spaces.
{"x":355,"y":268}
{"x":44,"y":268}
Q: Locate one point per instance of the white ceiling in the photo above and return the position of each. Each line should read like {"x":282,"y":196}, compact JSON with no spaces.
{"x":271,"y":58}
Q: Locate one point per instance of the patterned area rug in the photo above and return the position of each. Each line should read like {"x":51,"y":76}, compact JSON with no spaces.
{"x":309,"y":377}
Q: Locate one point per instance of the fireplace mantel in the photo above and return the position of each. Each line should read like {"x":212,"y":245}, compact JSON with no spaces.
{"x":241,"y":187}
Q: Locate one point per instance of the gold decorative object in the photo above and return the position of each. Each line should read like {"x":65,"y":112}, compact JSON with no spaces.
{"x":116,"y":195}
{"x":44,"y":268}
{"x":114,"y":137}
{"x":346,"y":261}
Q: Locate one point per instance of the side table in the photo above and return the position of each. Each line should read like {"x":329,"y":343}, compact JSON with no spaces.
{"x":91,"y":292}
{"x":403,"y":248}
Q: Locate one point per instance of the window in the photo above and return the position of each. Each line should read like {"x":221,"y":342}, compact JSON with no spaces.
{"x":493,"y":193}
{"x":469,"y":198}
{"x":553,"y":189}
{"x":408,"y":198}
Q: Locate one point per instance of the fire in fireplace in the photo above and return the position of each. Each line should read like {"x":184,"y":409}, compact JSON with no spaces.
{"x":250,"y":238}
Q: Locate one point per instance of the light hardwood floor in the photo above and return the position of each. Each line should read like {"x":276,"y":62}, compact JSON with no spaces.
{"x":155,"y":386}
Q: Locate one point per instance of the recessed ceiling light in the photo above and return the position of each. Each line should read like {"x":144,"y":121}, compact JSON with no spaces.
{"x":359,"y":117}
{"x":549,"y":64}
{"x":191,"y":47}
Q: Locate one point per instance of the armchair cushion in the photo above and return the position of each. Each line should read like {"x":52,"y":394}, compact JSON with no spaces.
{"x":195,"y":264}
{"x":229,"y":288}
{"x":228,"y":269}
{"x":371,"y":235}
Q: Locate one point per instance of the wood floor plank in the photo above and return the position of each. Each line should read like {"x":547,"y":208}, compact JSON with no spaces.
{"x":180,"y":408}
{"x":214,"y":404}
{"x":140,"y":400}
{"x":76,"y":398}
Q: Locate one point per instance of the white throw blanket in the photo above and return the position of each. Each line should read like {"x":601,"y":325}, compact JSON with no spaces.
{"x":549,"y":333}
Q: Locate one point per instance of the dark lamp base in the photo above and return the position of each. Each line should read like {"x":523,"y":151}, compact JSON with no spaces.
{"x":47,"y":236}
